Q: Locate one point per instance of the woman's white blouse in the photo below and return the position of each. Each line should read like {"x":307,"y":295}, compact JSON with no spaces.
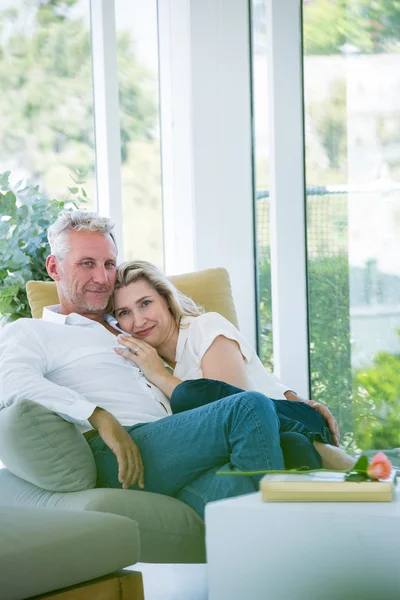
{"x":197,"y":334}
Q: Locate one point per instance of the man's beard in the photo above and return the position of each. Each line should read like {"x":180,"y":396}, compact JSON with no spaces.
{"x":81,"y":303}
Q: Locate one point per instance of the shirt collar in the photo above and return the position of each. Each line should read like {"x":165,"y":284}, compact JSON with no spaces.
{"x":111,"y":320}
{"x":51,"y":314}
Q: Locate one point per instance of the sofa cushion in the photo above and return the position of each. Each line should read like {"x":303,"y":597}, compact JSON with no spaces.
{"x":210,"y":288}
{"x":44,"y":449}
{"x":43,"y":550}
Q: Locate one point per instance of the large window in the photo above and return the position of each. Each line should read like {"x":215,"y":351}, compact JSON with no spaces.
{"x":46,"y":101}
{"x":136,"y":23}
{"x":352,"y":112}
{"x":261,"y":157}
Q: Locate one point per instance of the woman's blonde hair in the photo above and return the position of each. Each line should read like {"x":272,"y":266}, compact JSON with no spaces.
{"x":179,"y":304}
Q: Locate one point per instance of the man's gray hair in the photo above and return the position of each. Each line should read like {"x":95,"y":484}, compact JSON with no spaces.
{"x":76,"y":220}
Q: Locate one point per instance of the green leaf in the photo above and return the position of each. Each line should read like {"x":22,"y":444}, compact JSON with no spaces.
{"x":73,"y":190}
{"x":8,"y":204}
{"x":356,"y":477}
{"x":4,"y":177}
{"x":361,"y":464}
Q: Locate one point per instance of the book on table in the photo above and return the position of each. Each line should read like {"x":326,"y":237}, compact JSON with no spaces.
{"x":325,"y":486}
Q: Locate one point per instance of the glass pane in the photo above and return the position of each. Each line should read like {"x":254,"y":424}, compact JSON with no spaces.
{"x":261,"y":153}
{"x":136,"y":23}
{"x":46,"y":103}
{"x":352,"y":113}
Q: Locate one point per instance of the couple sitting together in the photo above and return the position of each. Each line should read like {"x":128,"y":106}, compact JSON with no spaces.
{"x":165,"y":394}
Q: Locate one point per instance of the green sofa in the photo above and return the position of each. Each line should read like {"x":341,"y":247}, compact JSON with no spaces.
{"x":50,"y":465}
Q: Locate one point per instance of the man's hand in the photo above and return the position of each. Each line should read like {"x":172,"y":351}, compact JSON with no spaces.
{"x":130,"y":464}
{"x":324,"y":411}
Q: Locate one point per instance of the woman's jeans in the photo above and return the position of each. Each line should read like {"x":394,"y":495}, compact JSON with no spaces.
{"x":182,"y":453}
{"x":297,"y":419}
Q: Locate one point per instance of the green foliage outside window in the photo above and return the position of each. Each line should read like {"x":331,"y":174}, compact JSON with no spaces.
{"x":330,"y":352}
{"x":377,"y":403}
{"x":366,"y":403}
{"x":373,"y":26}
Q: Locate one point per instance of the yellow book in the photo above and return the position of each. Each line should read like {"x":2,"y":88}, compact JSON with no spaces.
{"x":325,"y":486}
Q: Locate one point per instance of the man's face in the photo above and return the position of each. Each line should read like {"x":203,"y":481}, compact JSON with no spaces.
{"x":86,"y":275}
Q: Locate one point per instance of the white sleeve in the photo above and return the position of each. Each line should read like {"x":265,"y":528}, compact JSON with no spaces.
{"x":206,"y":328}
{"x":23,"y":366}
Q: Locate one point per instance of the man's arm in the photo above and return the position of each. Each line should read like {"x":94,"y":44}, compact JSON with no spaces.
{"x":130,"y":464}
{"x":23,"y":365}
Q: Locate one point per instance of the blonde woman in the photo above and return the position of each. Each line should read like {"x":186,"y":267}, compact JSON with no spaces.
{"x":173,"y":340}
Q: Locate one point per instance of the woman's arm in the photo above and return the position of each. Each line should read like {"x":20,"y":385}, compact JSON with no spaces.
{"x":224,"y":361}
{"x":145,"y":357}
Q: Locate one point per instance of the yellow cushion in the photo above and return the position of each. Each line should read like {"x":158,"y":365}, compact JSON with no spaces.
{"x":210,"y":288}
{"x":41,"y":294}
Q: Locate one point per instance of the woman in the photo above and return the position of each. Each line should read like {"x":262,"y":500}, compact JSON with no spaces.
{"x":171,"y":340}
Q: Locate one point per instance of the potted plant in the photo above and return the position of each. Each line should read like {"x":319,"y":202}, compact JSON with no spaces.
{"x":25,"y":215}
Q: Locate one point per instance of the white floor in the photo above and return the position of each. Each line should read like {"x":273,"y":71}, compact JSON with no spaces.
{"x":173,"y":582}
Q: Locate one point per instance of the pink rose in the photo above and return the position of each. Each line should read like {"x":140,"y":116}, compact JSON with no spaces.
{"x":380,"y":467}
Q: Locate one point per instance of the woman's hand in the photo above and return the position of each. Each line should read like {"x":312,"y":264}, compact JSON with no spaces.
{"x":142,"y":355}
{"x":324,"y":411}
{"x":149,"y":362}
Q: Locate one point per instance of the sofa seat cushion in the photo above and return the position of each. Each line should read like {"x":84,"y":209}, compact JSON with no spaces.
{"x":43,"y":549}
{"x":44,"y":449}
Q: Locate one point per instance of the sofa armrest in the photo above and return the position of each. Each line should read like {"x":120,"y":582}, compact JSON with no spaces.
{"x":170,"y":531}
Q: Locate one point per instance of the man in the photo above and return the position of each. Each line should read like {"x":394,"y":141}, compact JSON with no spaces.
{"x":67,"y":362}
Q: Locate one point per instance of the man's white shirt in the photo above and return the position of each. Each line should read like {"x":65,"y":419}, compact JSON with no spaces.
{"x":68,"y":363}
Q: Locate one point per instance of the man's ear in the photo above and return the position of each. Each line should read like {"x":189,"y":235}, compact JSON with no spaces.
{"x":53,"y":267}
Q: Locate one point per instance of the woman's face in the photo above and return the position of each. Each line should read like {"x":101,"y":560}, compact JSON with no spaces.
{"x":144,"y":313}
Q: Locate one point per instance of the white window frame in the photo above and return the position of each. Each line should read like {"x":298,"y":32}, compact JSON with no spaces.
{"x":106,"y":114}
{"x":175,"y":74}
{"x":287,"y":194}
{"x":205,"y":58}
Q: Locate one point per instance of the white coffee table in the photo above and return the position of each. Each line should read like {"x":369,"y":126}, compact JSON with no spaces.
{"x":303,"y":551}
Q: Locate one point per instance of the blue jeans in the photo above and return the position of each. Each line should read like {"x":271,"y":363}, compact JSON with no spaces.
{"x":182,"y":452}
{"x":300,"y":424}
